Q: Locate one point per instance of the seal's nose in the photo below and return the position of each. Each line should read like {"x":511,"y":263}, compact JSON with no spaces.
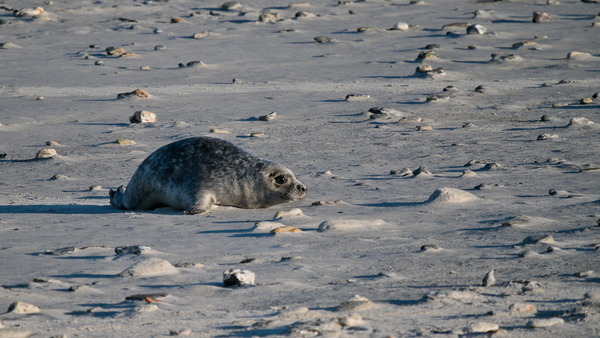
{"x":301,"y":188}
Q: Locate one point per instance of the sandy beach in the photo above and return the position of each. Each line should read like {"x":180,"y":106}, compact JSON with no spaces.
{"x":451,"y":151}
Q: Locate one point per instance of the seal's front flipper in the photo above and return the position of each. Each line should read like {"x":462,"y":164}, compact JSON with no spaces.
{"x":116,"y":198}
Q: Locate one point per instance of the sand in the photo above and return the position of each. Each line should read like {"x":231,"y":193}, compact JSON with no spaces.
{"x":503,"y":125}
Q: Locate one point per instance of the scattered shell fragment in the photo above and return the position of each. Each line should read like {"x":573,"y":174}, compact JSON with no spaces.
{"x":483,"y":13}
{"x":489,"y":279}
{"x":540,"y":16}
{"x":136,"y":93}
{"x":132,"y":250}
{"x":579,"y":56}
{"x":267,"y":226}
{"x":582,"y":274}
{"x":430,"y":247}
{"x":268,"y":117}
{"x":125,"y":142}
{"x":200,"y":35}
{"x":146,"y":68}
{"x":428,"y":71}
{"x":544,"y":322}
{"x":95,"y":187}
{"x":365,"y":29}
{"x":59,"y":177}
{"x":257,"y":134}
{"x":115,"y":51}
{"x":482,"y":327}
{"x":270,"y":17}
{"x":451,"y":195}
{"x":456,"y":26}
{"x":586,"y":100}
{"x":288,"y":213}
{"x":323,"y":39}
{"x":231,"y":6}
{"x":177,"y":20}
{"x":349,"y":224}
{"x":522,"y":308}
{"x":150,"y":267}
{"x":426,"y":55}
{"x":193,"y":64}
{"x":525,"y":44}
{"x":46,"y":153}
{"x":546,"y":136}
{"x":33,"y":12}
{"x":424,"y":128}
{"x":535,"y":239}
{"x":8,"y":45}
{"x":357,"y":97}
{"x":238,"y":277}
{"x":580,"y":121}
{"x":356,"y":303}
{"x":23,"y":308}
{"x":143,"y":116}
{"x":305,"y":14}
{"x":501,"y":58}
{"x":383,"y":113}
{"x":219,"y":131}
{"x":285,"y":229}
{"x":476,"y":29}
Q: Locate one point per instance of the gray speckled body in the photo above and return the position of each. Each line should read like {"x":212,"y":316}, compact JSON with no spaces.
{"x":196,"y":173}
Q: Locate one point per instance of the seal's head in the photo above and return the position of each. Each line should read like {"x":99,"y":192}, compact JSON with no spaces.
{"x":282,"y":185}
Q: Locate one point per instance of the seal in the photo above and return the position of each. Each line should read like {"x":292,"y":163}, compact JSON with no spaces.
{"x":196,"y":173}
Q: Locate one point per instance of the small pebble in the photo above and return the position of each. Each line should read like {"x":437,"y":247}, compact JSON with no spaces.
{"x":268,"y":117}
{"x":132,"y":250}
{"x":270,"y":17}
{"x":482,"y":327}
{"x":586,"y":100}
{"x":177,"y":20}
{"x":430,"y":247}
{"x":59,"y":177}
{"x":159,"y":47}
{"x":218,"y":131}
{"x":136,"y":93}
{"x":238,"y":277}
{"x":357,"y":97}
{"x":540,"y":16}
{"x":125,"y":142}
{"x":546,"y":136}
{"x":231,"y":6}
{"x":545,"y":322}
{"x":323,"y":39}
{"x":99,"y":63}
{"x":535,"y":239}
{"x":401,"y":26}
{"x":489,"y":279}
{"x":46,"y":153}
{"x":143,"y":116}
{"x":476,"y":29}
{"x":145,"y":68}
{"x":257,"y":135}
{"x":193,"y":64}
{"x":424,"y":128}
{"x":288,"y":213}
{"x":95,"y":187}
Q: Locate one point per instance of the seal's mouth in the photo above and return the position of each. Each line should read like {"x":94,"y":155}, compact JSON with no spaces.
{"x":296,"y":194}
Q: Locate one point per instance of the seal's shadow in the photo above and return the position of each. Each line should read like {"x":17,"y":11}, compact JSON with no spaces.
{"x":58,"y":209}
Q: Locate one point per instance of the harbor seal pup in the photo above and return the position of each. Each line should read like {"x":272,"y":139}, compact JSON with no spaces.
{"x":196,"y":173}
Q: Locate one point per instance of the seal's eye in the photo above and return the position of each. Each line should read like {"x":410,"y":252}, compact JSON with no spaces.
{"x":281,"y":179}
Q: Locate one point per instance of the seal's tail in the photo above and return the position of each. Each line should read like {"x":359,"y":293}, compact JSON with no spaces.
{"x":116,"y":198}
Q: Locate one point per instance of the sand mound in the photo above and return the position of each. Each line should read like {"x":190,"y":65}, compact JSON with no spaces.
{"x":451,"y":195}
{"x":150,"y":267}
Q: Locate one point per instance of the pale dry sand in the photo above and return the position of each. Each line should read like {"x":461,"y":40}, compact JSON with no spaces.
{"x":415,"y":255}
